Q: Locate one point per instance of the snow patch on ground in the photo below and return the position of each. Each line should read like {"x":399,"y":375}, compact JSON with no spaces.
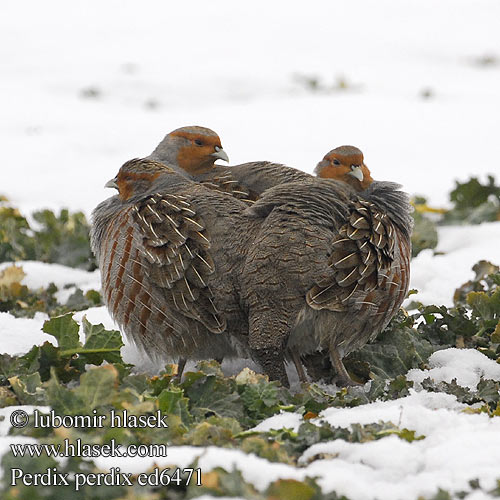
{"x":18,"y":335}
{"x":467,"y":366}
{"x":437,"y":276}
{"x":284,"y":420}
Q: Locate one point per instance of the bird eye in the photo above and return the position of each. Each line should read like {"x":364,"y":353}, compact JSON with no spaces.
{"x":198,"y":142}
{"x":336,"y":162}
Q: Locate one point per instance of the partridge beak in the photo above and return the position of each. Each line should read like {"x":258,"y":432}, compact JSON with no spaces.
{"x":356,"y":172}
{"x":220,"y":154}
{"x":111,"y":184}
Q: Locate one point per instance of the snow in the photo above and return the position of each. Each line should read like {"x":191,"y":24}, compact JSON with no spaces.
{"x":236,"y":68}
{"x":451,"y":454}
{"x":283,"y":420}
{"x":436,"y":277}
{"x":40,"y":275}
{"x":239,"y":69}
{"x":467,"y":366}
{"x":20,"y":334}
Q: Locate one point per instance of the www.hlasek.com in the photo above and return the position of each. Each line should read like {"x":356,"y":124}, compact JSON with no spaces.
{"x":85,"y":450}
{"x":52,"y":477}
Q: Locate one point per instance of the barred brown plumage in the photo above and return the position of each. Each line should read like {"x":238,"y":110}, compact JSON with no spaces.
{"x":369,"y":251}
{"x":160,"y":282}
{"x":191,"y":270}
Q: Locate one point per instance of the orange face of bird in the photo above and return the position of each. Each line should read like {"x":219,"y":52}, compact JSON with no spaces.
{"x":198,"y":151}
{"x":345,"y":164}
{"x":135,"y":176}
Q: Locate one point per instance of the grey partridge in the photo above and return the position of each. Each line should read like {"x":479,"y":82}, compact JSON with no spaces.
{"x":369,"y":261}
{"x":154,"y":242}
{"x":313,"y":264}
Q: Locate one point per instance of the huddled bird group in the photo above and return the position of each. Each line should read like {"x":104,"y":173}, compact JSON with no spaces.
{"x":258,"y":261}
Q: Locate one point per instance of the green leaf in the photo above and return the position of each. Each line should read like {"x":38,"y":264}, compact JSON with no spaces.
{"x":395,"y":351}
{"x":97,"y":387}
{"x":7,"y":397}
{"x":28,"y":388}
{"x":472,"y":193}
{"x":78,"y":301}
{"x":65,"y":367}
{"x":424,"y":234}
{"x":487,"y":306}
{"x":261,"y":399}
{"x":215,"y":395}
{"x":488,"y":391}
{"x":61,"y":399}
{"x":291,"y":490}
{"x":474,"y":202}
{"x":62,"y":238}
{"x":215,"y":431}
{"x":65,"y":330}
{"x":172,"y":402}
{"x":405,"y":434}
{"x":101,"y":344}
{"x":483,"y":281}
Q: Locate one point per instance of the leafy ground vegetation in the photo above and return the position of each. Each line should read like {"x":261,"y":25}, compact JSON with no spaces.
{"x":206,"y":407}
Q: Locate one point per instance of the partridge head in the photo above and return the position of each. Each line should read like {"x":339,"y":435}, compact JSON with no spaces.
{"x":136,"y":177}
{"x":194,"y":149}
{"x":345,"y":164}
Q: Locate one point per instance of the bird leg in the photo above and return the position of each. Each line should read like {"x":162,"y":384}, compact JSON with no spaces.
{"x":343,"y":379}
{"x":180,"y":367}
{"x":298,"y":365}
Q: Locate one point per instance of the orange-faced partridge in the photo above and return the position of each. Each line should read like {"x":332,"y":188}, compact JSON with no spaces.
{"x":369,"y":247}
{"x":313,"y":264}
